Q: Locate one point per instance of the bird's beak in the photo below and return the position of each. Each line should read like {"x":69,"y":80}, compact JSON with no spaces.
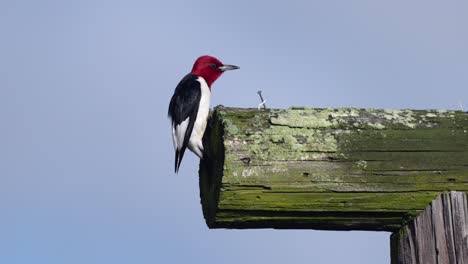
{"x":227,"y":67}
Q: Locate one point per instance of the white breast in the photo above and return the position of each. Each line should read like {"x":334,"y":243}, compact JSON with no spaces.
{"x":195,"y":142}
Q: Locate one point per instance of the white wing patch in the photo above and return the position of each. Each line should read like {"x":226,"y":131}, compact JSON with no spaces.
{"x":178,"y":133}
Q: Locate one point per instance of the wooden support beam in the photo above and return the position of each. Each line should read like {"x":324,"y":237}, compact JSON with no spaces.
{"x":339,"y":169}
{"x":438,"y":235}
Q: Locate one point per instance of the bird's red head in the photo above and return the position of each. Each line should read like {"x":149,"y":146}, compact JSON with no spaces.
{"x":210,"y":68}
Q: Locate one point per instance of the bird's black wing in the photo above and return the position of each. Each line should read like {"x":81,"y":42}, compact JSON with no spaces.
{"x":183,"y":110}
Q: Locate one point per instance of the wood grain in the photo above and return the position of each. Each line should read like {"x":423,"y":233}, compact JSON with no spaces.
{"x":439,"y":235}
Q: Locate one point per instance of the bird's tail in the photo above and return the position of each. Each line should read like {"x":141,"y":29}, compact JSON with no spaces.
{"x":176,"y":168}
{"x":178,"y":158}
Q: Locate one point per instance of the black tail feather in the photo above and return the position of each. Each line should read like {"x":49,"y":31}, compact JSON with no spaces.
{"x":178,"y":159}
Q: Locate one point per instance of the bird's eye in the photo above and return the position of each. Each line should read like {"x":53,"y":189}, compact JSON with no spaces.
{"x":214,"y":66}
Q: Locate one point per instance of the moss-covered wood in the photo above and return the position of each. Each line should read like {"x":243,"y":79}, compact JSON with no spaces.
{"x":340,"y":169}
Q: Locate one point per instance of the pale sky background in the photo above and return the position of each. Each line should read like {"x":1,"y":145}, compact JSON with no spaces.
{"x":86,"y":157}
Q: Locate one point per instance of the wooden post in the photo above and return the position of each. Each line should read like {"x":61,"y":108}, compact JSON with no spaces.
{"x":337,"y":169}
{"x":438,"y":235}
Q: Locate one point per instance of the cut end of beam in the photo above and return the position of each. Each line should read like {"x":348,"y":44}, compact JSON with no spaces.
{"x":211,"y":169}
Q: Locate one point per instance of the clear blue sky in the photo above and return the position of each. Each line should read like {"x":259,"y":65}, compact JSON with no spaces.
{"x":86,"y":157}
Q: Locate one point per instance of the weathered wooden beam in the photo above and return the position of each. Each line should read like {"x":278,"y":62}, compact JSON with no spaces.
{"x":437,"y":235}
{"x":340,"y":169}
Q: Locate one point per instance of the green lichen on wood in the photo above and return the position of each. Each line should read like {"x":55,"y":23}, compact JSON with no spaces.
{"x":341,"y":164}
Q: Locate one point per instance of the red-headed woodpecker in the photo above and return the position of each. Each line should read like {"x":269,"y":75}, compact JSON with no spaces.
{"x":190,"y":105}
